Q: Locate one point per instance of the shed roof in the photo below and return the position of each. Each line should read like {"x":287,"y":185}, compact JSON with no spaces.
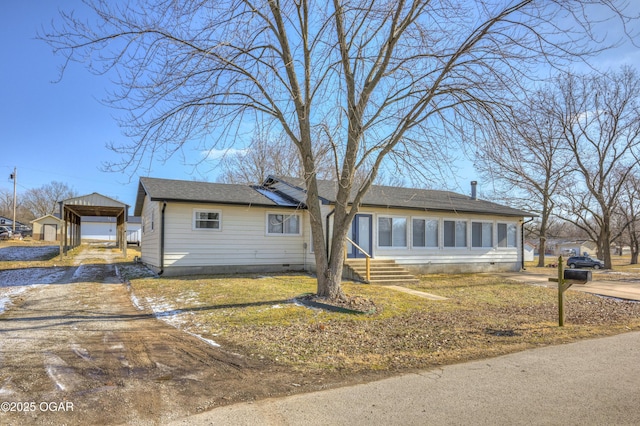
{"x":95,"y":205}
{"x":47,"y":216}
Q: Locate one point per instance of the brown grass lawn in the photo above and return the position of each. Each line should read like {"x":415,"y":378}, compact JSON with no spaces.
{"x":482,"y":317}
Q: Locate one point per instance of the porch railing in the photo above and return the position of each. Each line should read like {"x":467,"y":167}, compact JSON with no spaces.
{"x":366,"y":255}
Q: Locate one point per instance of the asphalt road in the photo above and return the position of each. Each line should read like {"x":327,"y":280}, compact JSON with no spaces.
{"x":592,"y":382}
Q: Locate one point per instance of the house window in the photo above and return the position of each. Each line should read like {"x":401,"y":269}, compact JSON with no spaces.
{"x":481,"y":234}
{"x":207,"y":219}
{"x":392,"y":231}
{"x":279,"y":224}
{"x":455,"y":233}
{"x":425,"y":232}
{"x":507,"y":235}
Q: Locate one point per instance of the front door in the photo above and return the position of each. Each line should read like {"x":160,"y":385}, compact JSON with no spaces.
{"x":361,"y":235}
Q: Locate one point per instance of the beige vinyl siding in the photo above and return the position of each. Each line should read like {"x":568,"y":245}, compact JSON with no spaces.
{"x":40,"y":224}
{"x":241,"y":240}
{"x":150,"y":243}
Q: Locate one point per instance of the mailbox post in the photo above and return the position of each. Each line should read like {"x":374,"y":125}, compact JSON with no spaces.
{"x":561,"y":290}
{"x":566,"y":278}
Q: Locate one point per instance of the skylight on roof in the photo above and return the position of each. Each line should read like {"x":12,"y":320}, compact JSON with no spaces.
{"x":276,"y":197}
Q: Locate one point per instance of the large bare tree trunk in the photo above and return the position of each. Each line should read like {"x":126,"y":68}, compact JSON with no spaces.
{"x":542,"y":247}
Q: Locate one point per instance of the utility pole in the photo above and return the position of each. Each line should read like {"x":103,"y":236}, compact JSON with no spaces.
{"x":14,"y":176}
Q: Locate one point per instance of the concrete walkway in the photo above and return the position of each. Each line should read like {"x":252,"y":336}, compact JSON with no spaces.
{"x":629,"y":290}
{"x":592,"y":382}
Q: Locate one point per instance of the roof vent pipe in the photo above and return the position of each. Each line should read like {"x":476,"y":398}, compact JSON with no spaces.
{"x":474,"y":185}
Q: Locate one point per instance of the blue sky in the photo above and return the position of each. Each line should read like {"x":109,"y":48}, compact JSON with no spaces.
{"x":58,"y":131}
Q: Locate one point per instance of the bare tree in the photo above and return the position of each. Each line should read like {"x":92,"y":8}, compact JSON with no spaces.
{"x":23,"y":214}
{"x":375,"y":76}
{"x":44,"y":200}
{"x":270,"y":156}
{"x":601,"y":125}
{"x":627,"y":217}
{"x":527,"y":153}
{"x":6,"y":203}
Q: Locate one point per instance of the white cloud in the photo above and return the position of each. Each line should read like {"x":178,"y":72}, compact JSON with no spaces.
{"x":215,"y":154}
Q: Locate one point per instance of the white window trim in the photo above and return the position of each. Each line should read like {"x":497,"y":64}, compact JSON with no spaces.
{"x":440,"y":235}
{"x":406,"y":232}
{"x":494,"y":234}
{"x":193,"y":220}
{"x":284,"y":234}
{"x":468,"y":233}
{"x":517,"y":232}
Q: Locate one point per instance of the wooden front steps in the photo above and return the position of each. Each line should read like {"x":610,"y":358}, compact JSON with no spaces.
{"x":383,"y":272}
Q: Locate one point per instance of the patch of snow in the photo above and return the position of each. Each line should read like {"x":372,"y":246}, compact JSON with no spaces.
{"x":136,"y":302}
{"x":81,"y":352}
{"x":164,"y":311}
{"x":60,"y":372}
{"x":5,"y":390}
{"x":5,"y":300}
{"x":13,"y":253}
{"x":204,"y":339}
{"x":30,"y":276}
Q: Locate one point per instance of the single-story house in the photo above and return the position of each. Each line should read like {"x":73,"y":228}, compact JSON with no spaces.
{"x":199,"y":227}
{"x":20,"y":227}
{"x":576,"y":248}
{"x":529,"y":251}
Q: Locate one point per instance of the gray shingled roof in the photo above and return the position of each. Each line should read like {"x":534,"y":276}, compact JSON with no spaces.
{"x":411,"y":198}
{"x":201,"y":192}
{"x":377,"y":196}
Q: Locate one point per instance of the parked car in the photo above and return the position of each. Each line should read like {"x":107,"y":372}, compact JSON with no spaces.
{"x":5,"y":233}
{"x":584,"y":262}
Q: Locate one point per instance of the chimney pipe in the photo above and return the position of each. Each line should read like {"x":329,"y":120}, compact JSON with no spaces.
{"x":474,"y":184}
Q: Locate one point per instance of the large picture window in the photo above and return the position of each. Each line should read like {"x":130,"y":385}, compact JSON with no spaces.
{"x":424,"y":232}
{"x":392,"y":231}
{"x":455,"y":233}
{"x":481,"y":234}
{"x":279,"y":224}
{"x":206,"y":219}
{"x":507,"y":235}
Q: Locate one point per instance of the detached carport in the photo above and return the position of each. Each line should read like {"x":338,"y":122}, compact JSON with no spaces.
{"x":72,"y":210}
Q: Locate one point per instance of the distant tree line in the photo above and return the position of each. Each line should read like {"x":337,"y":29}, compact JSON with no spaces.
{"x":570,"y":152}
{"x":36,"y":202}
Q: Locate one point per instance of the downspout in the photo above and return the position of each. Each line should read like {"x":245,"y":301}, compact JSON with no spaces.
{"x":327,"y":241}
{"x":164,"y":206}
{"x":522,"y":242}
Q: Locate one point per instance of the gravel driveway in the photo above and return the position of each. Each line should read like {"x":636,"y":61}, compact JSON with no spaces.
{"x":74,"y":350}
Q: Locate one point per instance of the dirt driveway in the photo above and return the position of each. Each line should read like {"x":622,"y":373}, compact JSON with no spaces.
{"x":78,"y":352}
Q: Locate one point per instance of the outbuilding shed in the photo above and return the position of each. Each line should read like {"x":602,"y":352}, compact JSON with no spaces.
{"x":47,"y":228}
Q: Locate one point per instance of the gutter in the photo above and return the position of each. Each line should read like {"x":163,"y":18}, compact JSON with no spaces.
{"x":522,"y":241}
{"x":162,"y":215}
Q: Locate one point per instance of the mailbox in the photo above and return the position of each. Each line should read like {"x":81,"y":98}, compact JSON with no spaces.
{"x":580,"y":276}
